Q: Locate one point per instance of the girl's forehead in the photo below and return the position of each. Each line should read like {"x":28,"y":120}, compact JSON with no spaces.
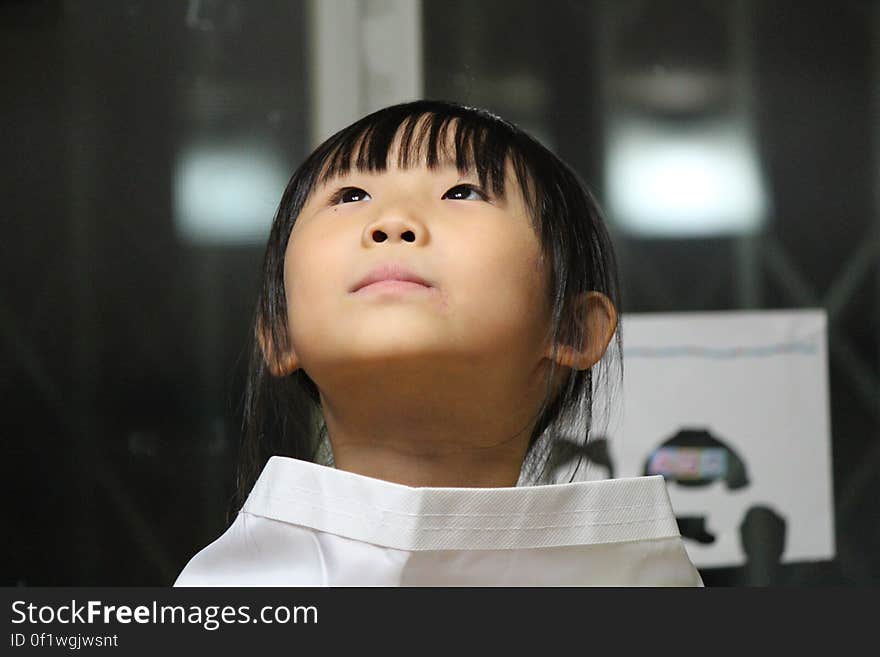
{"x":442,"y":170}
{"x":446,"y":150}
{"x":411,"y":145}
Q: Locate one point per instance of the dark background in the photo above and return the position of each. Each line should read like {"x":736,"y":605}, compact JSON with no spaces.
{"x":124,"y":346}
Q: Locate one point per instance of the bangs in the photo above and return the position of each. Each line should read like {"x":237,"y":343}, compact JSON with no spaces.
{"x":475,"y":142}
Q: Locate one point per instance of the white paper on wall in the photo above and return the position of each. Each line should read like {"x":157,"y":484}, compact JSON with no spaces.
{"x":733,"y":409}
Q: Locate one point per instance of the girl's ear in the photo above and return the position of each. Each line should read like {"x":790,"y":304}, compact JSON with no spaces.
{"x":596,"y":316}
{"x":281,"y":363}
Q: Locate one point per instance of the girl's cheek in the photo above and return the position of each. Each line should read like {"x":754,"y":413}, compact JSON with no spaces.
{"x":314,"y":273}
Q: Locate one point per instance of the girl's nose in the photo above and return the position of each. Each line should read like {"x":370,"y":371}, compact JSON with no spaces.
{"x":395,"y":229}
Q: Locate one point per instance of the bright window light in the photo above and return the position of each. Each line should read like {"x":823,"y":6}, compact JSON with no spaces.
{"x":683,"y":182}
{"x":226,"y":192}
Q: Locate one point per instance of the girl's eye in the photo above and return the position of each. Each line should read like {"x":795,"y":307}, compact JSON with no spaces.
{"x":466,"y":193}
{"x":349,"y":195}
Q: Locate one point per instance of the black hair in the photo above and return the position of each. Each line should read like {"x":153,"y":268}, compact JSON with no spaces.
{"x":282,"y":414}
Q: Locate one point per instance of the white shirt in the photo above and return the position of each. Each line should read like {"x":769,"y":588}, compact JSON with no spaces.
{"x":305,"y":524}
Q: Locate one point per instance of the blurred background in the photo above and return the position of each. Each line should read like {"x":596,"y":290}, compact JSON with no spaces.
{"x":734,"y":146}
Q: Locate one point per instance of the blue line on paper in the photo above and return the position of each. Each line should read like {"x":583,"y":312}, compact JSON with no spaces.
{"x":691,"y":351}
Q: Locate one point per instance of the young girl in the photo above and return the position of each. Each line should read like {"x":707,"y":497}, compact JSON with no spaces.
{"x":438,"y":292}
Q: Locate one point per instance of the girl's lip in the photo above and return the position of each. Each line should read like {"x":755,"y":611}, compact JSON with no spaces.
{"x":390,"y":272}
{"x":391,"y":285}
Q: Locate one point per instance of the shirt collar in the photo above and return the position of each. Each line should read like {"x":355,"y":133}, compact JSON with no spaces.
{"x":411,"y":518}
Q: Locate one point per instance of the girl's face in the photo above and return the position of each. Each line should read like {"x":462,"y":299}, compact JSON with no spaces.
{"x":486,"y":304}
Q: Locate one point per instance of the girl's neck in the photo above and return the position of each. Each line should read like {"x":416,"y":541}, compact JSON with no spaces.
{"x":454,"y":469}
{"x":455,"y":436}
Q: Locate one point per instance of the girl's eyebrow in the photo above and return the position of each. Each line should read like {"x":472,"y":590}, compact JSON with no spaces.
{"x":443,"y":168}
{"x":329,"y":180}
{"x":322,"y":185}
